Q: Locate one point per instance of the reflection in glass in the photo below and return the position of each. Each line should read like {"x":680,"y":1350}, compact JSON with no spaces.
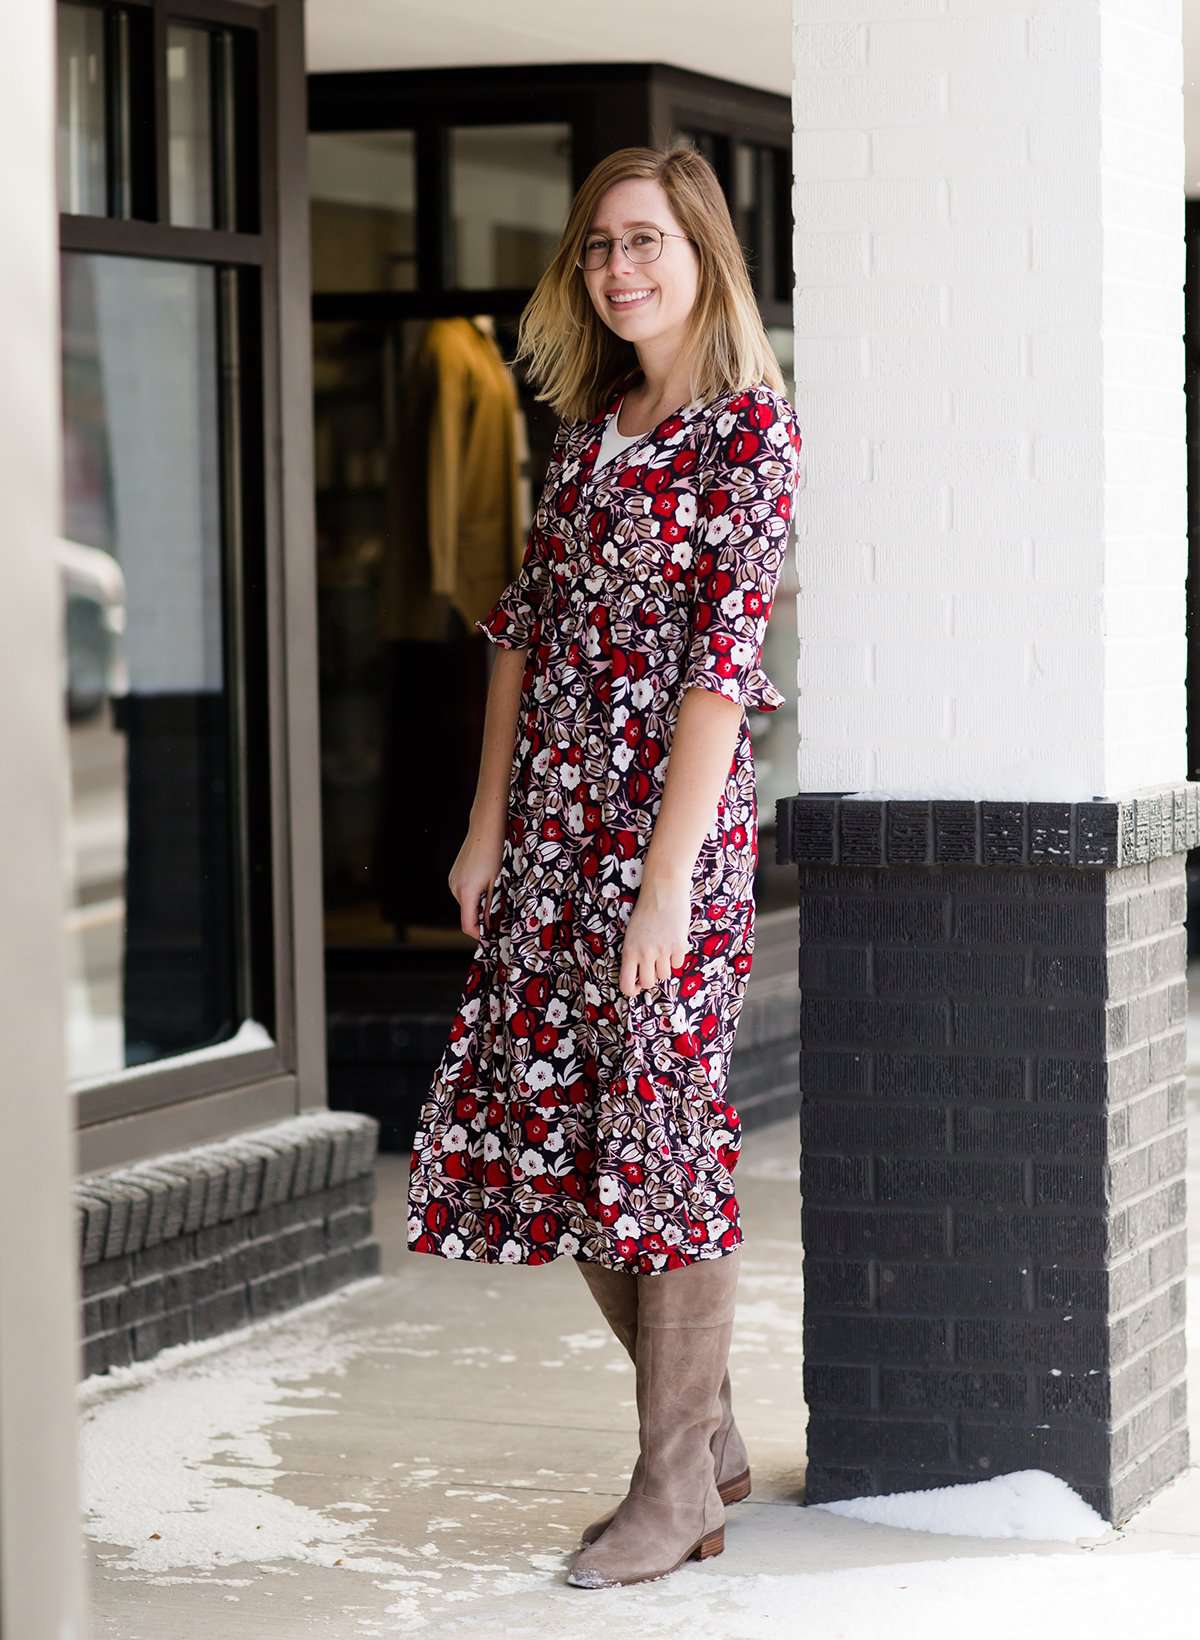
{"x":82,"y":153}
{"x":363,"y":192}
{"x":189,"y":126}
{"x":151,"y":949}
{"x":510,"y":189}
{"x":394,"y":487}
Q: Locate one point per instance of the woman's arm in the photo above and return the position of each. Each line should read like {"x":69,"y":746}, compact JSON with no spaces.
{"x":511,"y":625}
{"x":478,"y":862}
{"x":702,"y":748}
{"x":744,"y":512}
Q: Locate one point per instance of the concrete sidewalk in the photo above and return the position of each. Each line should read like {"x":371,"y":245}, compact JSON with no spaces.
{"x":417,"y":1454}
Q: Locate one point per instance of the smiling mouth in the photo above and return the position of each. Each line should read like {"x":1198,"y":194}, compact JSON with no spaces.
{"x":628,"y":298}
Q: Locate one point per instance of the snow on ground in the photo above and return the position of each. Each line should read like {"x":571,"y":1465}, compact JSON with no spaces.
{"x":1014,"y":1595}
{"x":1030,"y":1503}
{"x":177,"y":1456}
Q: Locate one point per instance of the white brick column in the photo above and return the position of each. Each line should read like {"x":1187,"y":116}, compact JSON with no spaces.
{"x":992,"y":815}
{"x":989,"y":357}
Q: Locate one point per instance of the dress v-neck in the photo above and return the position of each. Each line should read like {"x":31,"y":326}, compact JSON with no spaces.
{"x":589,"y":470}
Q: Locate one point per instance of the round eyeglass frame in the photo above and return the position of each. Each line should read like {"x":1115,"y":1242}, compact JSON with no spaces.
{"x":662,"y":233}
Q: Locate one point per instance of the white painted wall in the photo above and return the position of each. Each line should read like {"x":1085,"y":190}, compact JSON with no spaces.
{"x":989,"y":317}
{"x":41,"y":1566}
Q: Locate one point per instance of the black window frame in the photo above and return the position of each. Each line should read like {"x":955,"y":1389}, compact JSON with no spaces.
{"x":270,"y":619}
{"x":605,"y":106}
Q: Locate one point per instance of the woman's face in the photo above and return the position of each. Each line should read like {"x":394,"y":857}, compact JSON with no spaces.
{"x":642,"y":302}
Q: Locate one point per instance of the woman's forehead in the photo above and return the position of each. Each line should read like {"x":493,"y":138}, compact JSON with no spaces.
{"x":633,"y":203}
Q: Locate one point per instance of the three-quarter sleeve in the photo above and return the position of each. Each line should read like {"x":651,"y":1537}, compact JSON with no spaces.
{"x":743,"y":522}
{"x":510,"y":621}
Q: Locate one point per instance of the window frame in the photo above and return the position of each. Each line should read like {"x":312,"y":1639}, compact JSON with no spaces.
{"x":189,"y":1097}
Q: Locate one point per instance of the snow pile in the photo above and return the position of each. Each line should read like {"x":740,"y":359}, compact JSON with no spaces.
{"x":1027,"y":1504}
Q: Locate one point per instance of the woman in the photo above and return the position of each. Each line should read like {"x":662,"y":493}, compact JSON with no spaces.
{"x":608,"y":873}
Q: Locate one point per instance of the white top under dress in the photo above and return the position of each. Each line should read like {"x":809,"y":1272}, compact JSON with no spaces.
{"x":612,"y":442}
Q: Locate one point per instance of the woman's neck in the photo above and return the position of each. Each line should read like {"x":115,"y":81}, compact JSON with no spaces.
{"x":665,"y":385}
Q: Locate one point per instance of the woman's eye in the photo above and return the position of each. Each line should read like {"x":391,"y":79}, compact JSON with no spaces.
{"x":643,"y":239}
{"x":594,"y":244}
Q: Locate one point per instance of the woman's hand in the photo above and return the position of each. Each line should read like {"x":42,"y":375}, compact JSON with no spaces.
{"x":656,"y":935}
{"x":475,"y":869}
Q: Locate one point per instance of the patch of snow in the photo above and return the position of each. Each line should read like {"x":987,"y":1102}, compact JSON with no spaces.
{"x":202,"y":1493}
{"x":1030,"y":1503}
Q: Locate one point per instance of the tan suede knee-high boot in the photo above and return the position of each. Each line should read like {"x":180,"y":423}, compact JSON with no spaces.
{"x":672,"y":1511}
{"x":615,"y":1292}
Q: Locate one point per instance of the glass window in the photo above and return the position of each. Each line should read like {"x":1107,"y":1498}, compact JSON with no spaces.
{"x":747,"y":202}
{"x":510,"y":190}
{"x":153,"y":959}
{"x":363,"y":192}
{"x":82,"y":138}
{"x":704,"y":141}
{"x":387,"y":636}
{"x":189,"y":124}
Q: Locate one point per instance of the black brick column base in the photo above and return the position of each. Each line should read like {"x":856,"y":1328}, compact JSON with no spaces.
{"x":182,"y":1247}
{"x":992,"y":1070}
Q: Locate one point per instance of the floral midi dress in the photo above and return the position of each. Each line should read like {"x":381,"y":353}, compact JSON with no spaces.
{"x":565,"y":1118}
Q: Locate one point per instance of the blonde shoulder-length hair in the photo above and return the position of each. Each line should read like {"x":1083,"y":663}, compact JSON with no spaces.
{"x":576,"y":361}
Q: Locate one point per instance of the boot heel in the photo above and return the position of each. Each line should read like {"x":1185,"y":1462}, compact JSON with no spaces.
{"x":713,"y":1544}
{"x":735,"y":1490}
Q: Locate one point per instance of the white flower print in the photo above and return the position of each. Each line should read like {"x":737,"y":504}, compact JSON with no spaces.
{"x":540,"y":1075}
{"x":622,"y":755}
{"x":511,"y":1253}
{"x":455,"y":1138}
{"x":718,"y":529}
{"x":631,"y":872}
{"x":452,"y":1245}
{"x":626,"y":1226}
{"x":569,"y":774}
{"x":568,"y":1245}
{"x":532,"y":1163}
{"x":641,"y":693}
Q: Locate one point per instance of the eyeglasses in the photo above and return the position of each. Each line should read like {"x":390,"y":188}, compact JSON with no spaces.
{"x":639,"y":245}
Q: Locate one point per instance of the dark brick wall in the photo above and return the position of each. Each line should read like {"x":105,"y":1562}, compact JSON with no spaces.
{"x":185,"y":1246}
{"x":992,"y":1175}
